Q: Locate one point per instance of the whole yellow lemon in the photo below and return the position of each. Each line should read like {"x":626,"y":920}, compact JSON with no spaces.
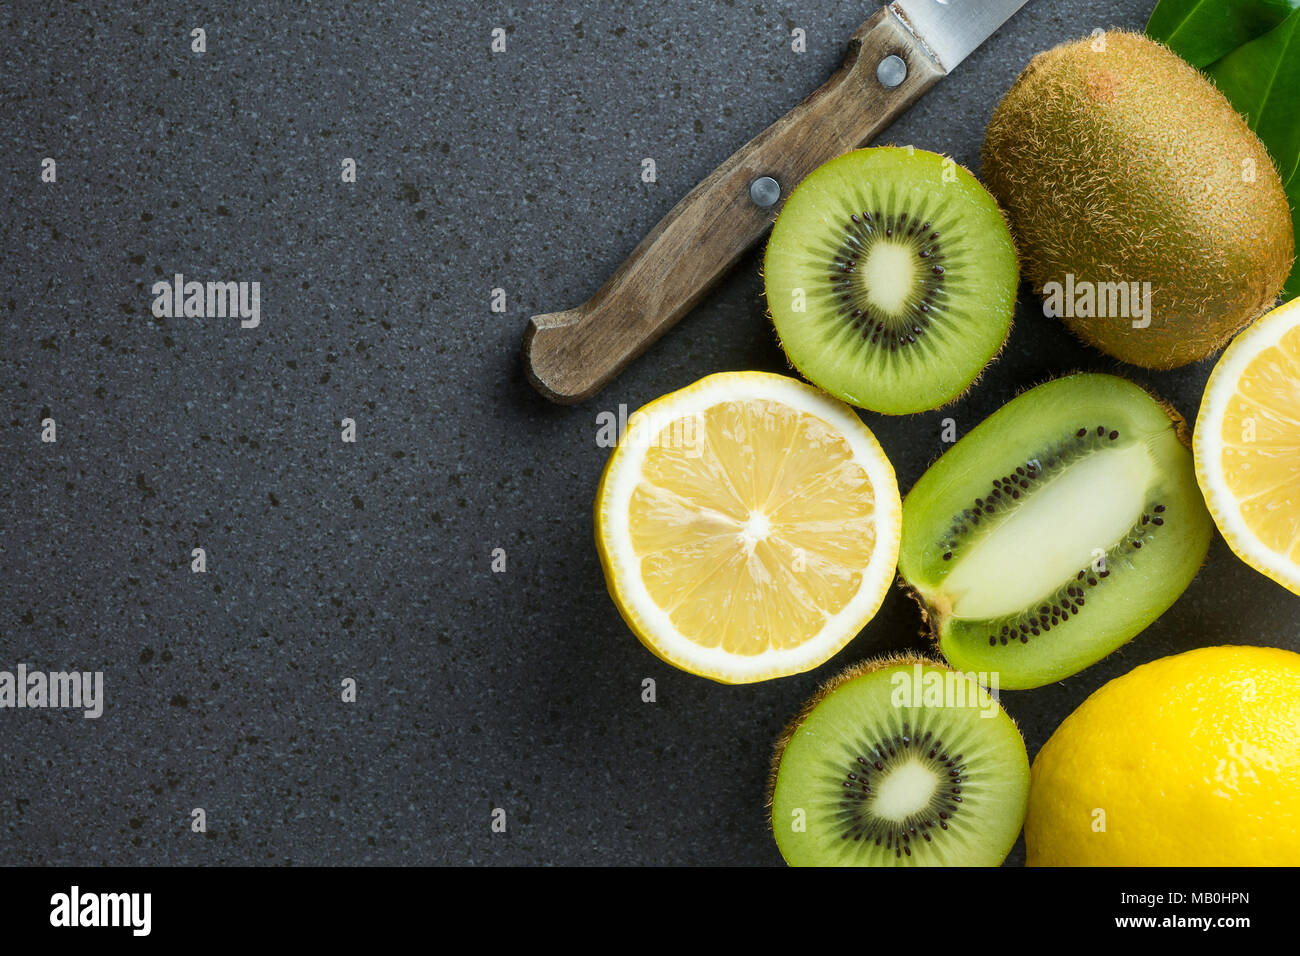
{"x":1190,"y":760}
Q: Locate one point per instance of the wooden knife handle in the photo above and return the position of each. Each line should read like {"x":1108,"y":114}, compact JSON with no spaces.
{"x":570,"y":356}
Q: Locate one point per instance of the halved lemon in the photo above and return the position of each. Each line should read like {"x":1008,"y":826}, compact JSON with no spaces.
{"x":1247,"y":445}
{"x":748,"y":526}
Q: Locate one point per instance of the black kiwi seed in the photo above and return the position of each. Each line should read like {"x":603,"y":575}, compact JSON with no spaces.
{"x":1070,"y":597}
{"x":861,"y":232}
{"x":896,"y":835}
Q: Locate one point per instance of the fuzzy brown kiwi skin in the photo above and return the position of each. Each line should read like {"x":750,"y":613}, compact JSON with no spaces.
{"x":929,"y":626}
{"x":843,"y":677}
{"x":1214,"y":266}
{"x":1181,"y":430}
{"x":1006,"y":221}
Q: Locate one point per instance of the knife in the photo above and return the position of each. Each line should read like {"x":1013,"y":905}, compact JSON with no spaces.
{"x":893,"y":58}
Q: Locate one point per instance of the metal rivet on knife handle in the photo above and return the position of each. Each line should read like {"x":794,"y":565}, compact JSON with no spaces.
{"x":904,"y":48}
{"x":891,"y":71}
{"x":765,"y":191}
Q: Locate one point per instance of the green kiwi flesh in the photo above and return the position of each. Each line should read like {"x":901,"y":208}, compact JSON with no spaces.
{"x":1055,"y":531}
{"x":891,"y":279}
{"x":899,"y":762}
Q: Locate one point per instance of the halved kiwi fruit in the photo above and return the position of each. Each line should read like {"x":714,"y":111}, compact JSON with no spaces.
{"x":899,"y":762}
{"x":891,"y":279}
{"x":1055,"y":531}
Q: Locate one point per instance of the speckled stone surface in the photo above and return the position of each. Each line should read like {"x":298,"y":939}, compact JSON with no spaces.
{"x":373,"y":560}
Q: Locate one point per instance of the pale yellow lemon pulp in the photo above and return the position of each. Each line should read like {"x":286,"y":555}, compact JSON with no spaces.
{"x":1247,"y":445}
{"x":748,"y":526}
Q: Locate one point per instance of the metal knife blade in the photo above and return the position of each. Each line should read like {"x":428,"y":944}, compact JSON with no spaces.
{"x":951,"y":29}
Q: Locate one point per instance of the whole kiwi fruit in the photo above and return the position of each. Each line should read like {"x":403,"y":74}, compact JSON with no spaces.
{"x":1144,"y":208}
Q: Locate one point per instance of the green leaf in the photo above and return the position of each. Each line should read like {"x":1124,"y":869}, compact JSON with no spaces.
{"x":1262,"y":81}
{"x":1202,"y":31}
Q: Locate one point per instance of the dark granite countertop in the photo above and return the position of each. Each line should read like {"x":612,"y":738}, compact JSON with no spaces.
{"x":372,"y":560}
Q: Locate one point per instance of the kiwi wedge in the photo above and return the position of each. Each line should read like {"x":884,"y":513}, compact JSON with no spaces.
{"x":899,"y":762}
{"x":891,"y":279}
{"x":1055,"y":531}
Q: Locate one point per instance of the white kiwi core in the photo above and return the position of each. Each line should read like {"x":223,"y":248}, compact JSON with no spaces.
{"x":906,"y":790}
{"x":1048,"y":537}
{"x":888,"y":276}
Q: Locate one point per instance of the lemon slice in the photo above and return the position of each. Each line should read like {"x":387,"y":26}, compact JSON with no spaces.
{"x":748,"y":526}
{"x":1247,"y":445}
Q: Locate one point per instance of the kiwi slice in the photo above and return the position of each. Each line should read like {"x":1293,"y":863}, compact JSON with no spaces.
{"x":891,"y":279}
{"x":1055,"y":531}
{"x":899,"y":762}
